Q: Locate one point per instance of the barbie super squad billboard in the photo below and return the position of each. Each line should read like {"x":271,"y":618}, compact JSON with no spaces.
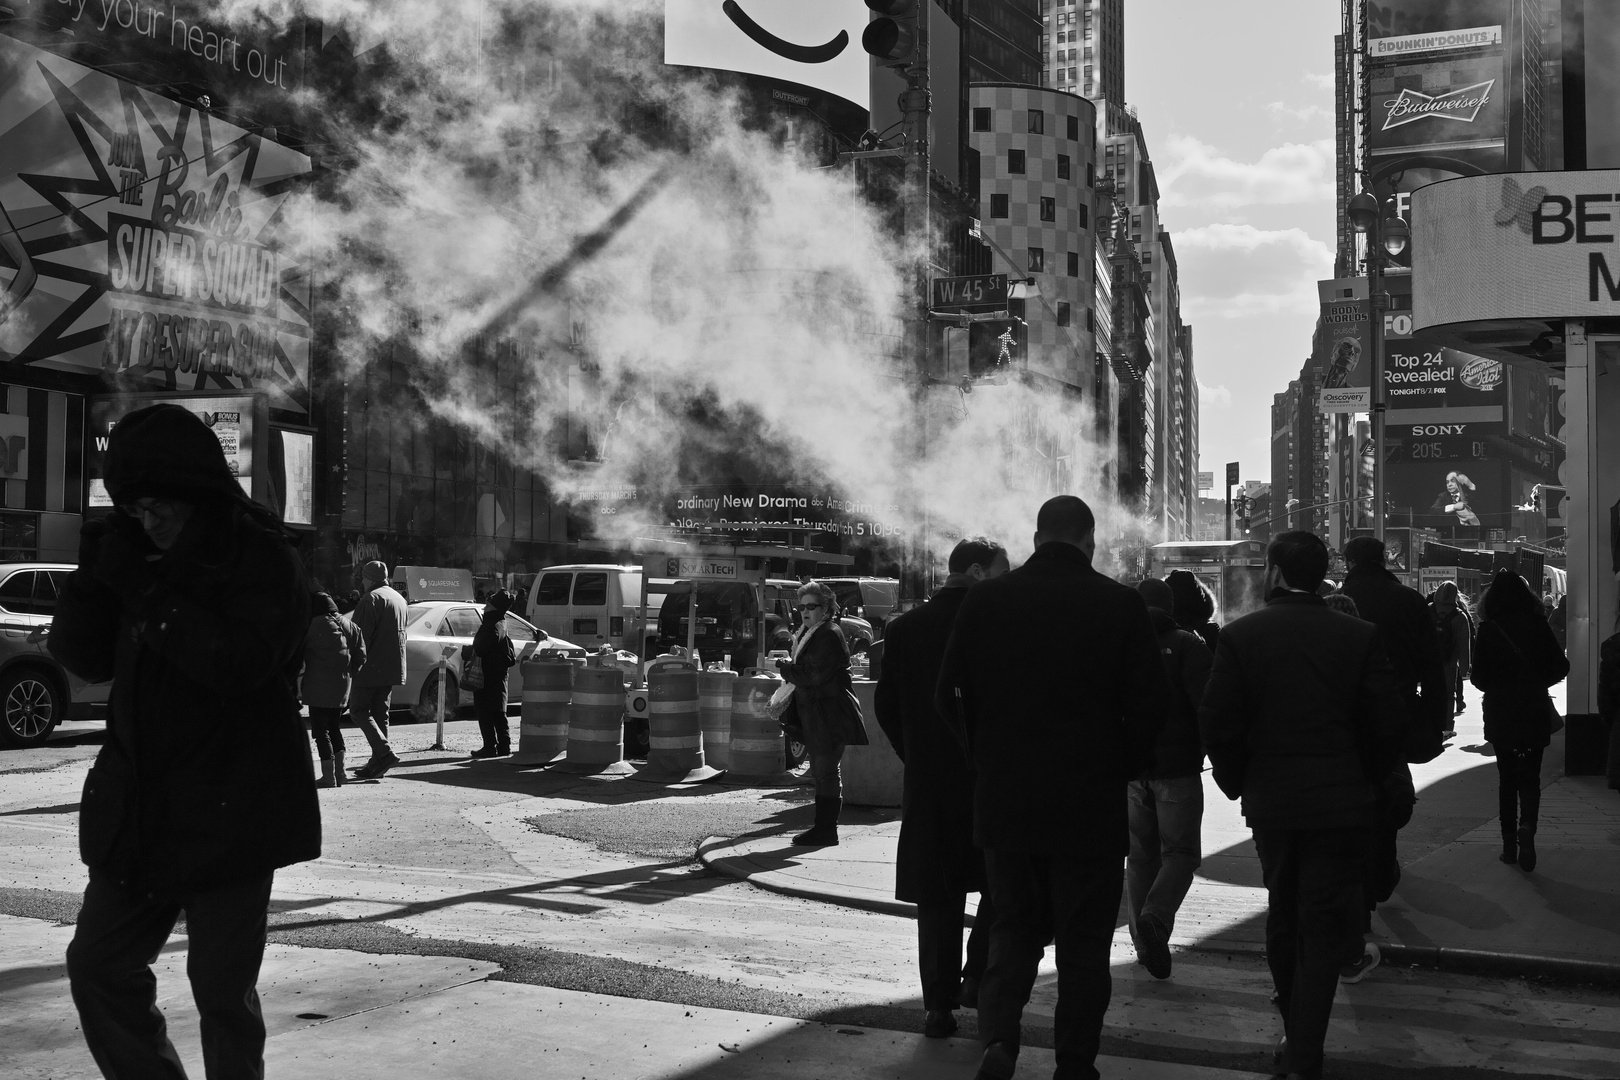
{"x":143,"y":239}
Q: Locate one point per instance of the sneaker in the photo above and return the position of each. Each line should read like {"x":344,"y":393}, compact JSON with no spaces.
{"x":1153,"y":946}
{"x":1357,"y":969}
{"x":377,"y":766}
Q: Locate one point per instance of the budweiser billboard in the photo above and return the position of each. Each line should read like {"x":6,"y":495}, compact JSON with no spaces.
{"x":1430,"y":102}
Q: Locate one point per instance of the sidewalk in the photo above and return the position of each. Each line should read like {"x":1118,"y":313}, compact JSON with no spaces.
{"x":1457,"y":907}
{"x":332,"y":1013}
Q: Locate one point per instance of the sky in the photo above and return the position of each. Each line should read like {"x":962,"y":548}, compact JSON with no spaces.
{"x":1236,"y":104}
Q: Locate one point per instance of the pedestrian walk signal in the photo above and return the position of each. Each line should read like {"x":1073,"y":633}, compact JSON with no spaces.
{"x":995,"y":346}
{"x":893,"y":38}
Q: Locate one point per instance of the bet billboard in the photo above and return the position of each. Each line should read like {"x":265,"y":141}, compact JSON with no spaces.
{"x":142,"y":240}
{"x":816,"y":45}
{"x":1519,"y":246}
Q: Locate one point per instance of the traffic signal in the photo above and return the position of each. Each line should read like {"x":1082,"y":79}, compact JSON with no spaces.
{"x":995,"y":346}
{"x":893,"y":38}
{"x":1240,"y":510}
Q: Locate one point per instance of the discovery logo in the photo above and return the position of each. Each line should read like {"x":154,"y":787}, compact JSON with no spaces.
{"x":812,"y":44}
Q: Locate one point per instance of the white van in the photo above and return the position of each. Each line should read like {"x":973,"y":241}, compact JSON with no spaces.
{"x":591,"y":604}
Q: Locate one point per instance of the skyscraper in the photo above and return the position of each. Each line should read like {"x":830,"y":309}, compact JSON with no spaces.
{"x":1083,"y":48}
{"x":1004,"y":39}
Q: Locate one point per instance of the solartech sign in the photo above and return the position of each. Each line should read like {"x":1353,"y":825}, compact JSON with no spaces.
{"x":1520,"y":246}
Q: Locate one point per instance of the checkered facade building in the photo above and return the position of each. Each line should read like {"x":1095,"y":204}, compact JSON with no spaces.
{"x":1040,"y":220}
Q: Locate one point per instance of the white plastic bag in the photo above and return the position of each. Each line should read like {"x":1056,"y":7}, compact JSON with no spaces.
{"x":781,"y":698}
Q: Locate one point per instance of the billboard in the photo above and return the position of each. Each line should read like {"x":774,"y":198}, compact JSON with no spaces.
{"x":1409,"y":18}
{"x":1344,"y":344}
{"x":1520,"y":246}
{"x":237,"y":420}
{"x":816,"y":45}
{"x":1426,"y":102}
{"x":1459,"y":500}
{"x":1472,"y":37}
{"x":142,"y":240}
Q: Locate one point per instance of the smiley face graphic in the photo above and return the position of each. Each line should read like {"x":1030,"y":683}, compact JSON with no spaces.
{"x":803,"y":54}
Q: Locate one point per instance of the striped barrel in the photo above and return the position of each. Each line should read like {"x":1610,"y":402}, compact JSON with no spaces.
{"x":714,"y":716}
{"x":543,"y":728}
{"x":675,"y":742}
{"x":596,"y":717}
{"x":756,"y":740}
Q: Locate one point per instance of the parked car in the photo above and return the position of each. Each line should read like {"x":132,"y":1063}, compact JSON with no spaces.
{"x":869,"y":598}
{"x":36,"y":692}
{"x":433,"y":625}
{"x":594,"y":604}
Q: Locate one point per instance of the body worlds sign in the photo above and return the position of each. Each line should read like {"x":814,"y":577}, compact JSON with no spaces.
{"x":1524,"y":246}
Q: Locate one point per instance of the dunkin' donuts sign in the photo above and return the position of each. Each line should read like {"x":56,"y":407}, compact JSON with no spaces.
{"x":1521,"y":246}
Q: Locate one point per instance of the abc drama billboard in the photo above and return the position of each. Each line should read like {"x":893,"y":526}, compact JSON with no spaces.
{"x":142,"y":239}
{"x":816,"y":45}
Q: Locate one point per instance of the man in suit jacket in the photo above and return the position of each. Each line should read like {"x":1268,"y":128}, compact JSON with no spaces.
{"x":938,"y":864}
{"x":1054,"y":731}
{"x":1302,"y":721}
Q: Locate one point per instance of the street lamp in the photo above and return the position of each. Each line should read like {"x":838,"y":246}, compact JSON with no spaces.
{"x":1387,"y":235}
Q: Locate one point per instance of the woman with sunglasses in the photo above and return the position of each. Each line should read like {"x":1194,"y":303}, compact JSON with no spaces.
{"x":824,"y":707}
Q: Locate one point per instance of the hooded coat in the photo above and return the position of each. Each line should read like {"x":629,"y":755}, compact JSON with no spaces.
{"x":1516,"y":658}
{"x":204,"y":778}
{"x":334,"y":651}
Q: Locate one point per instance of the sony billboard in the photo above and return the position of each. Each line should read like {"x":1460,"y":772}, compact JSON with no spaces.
{"x":813,"y":44}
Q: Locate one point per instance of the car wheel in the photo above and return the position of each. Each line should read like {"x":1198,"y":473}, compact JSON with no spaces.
{"x":427,"y":702}
{"x":31,"y":706}
{"x":796,"y":752}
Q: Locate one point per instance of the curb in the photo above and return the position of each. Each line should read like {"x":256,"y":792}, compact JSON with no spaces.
{"x":1431,"y":957}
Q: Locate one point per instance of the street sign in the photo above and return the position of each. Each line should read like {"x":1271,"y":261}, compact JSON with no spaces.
{"x":1231,"y":473}
{"x":978,"y":292}
{"x":689,"y":568}
{"x":1206,"y":481}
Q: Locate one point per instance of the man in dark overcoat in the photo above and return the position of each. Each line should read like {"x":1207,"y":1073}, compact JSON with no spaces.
{"x":938,"y":864}
{"x":1054,"y":733}
{"x":1303,"y":722}
{"x":190,"y":598}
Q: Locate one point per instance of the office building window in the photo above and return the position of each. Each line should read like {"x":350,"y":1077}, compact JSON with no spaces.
{"x":981,"y":119}
{"x":1062,"y":314}
{"x":1109,"y":150}
{"x":1074,"y":127}
{"x":1063,"y":166}
{"x":1060,"y":75}
{"x":1091,"y":320}
{"x":1085,"y":216}
{"x":998,"y":206}
{"x":1037,"y":122}
{"x":1037,"y":260}
{"x":1091,"y":176}
{"x":1147,"y":258}
{"x":1015,"y":161}
{"x":1048,"y":208}
{"x":1074,"y":264}
{"x":1072,"y":75}
{"x":1147,"y":277}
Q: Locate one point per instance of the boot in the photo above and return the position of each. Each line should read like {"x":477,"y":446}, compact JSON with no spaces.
{"x":326,"y":779}
{"x":339,"y":777}
{"x":825,"y":831}
{"x":1510,"y":845}
{"x":1527,"y":848}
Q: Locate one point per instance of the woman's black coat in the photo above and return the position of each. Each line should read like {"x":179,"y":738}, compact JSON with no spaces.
{"x":824,"y":704}
{"x":1515,"y":660}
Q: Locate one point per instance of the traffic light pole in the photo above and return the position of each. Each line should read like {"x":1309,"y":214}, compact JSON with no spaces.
{"x":916,"y":105}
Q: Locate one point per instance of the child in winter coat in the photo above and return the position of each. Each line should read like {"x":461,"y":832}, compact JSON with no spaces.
{"x":334,"y":649}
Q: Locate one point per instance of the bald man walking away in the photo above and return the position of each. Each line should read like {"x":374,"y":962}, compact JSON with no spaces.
{"x":1054,"y":734}
{"x":380,"y":618}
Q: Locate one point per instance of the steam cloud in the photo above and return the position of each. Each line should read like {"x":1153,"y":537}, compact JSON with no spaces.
{"x":746,"y":307}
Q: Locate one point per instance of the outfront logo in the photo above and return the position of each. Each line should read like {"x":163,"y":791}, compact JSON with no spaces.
{"x":1463,"y":105}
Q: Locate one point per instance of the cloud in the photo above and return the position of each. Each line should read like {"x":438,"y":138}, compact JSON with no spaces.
{"x":1239,"y":271}
{"x":1303,"y":113}
{"x":1217,"y":397}
{"x":1195,"y":174}
{"x":1321,"y":80}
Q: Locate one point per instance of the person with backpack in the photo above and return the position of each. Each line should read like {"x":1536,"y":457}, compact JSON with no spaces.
{"x":1516,"y":658}
{"x":1167,"y":801}
{"x":334,"y":650}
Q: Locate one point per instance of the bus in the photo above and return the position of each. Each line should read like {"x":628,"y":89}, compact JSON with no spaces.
{"x":1233,"y":570}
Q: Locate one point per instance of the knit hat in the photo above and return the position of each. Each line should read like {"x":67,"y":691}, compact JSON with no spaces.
{"x":375,"y":570}
{"x":1157,"y":594}
{"x":166,"y":451}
